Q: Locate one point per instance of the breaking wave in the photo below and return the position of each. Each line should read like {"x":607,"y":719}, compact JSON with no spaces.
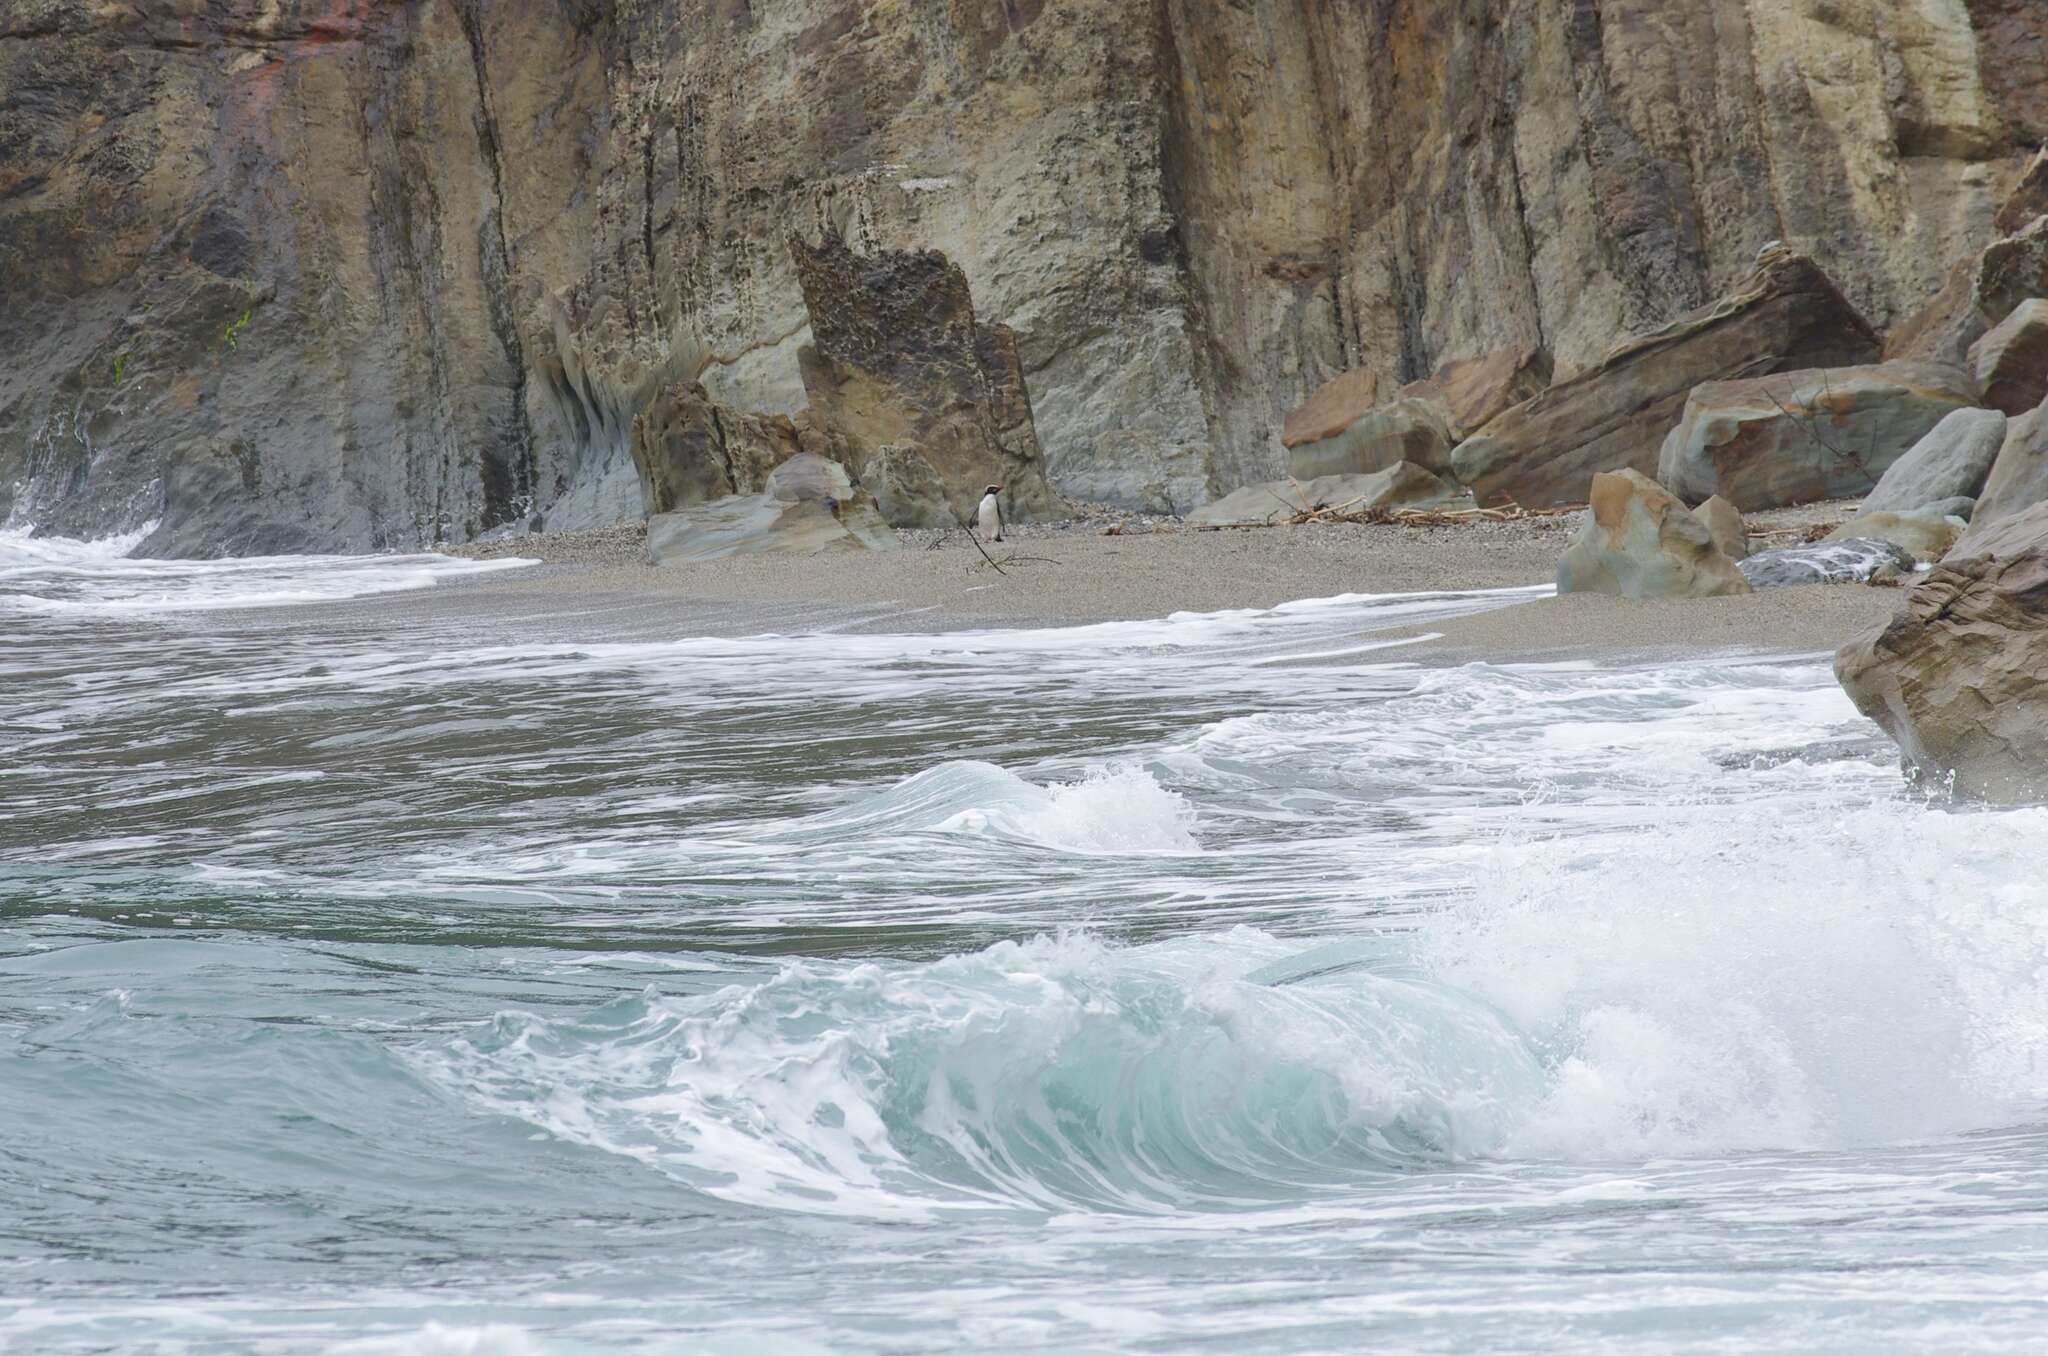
{"x":1707,"y":996}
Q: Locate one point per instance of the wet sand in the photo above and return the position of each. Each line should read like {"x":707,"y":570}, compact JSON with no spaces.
{"x":1066,"y":574}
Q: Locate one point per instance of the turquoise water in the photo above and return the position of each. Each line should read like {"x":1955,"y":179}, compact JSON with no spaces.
{"x":375,"y":977}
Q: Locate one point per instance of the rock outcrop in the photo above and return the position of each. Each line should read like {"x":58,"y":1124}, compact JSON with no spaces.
{"x":809,"y":506}
{"x":287,"y":275}
{"x":1951,"y":462}
{"x":1640,"y":542}
{"x":1402,"y":485}
{"x":896,"y":360}
{"x":1959,"y":679}
{"x":1825,"y":434}
{"x":2010,"y":362}
{"x":1615,"y":415}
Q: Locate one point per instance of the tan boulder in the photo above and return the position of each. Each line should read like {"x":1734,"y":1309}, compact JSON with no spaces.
{"x":1725,"y":526}
{"x":1403,"y":485}
{"x":1474,"y":391}
{"x":1331,"y":408}
{"x":1412,"y":429}
{"x":1923,"y":534}
{"x":1823,"y":434}
{"x":1788,"y":315}
{"x":1959,"y":678}
{"x":2010,"y":362}
{"x":1640,"y":542}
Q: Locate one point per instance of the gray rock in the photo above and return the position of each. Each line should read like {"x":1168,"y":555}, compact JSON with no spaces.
{"x":1640,"y":542}
{"x":1959,"y":678}
{"x":1403,"y":485}
{"x":810,"y":506}
{"x":2011,"y":362}
{"x":2019,"y":477}
{"x":1951,"y":461}
{"x":1828,"y":433}
{"x":1924,"y":534}
{"x":1725,"y":526}
{"x":1414,"y":429}
{"x":1962,"y":506}
{"x":1861,"y":561}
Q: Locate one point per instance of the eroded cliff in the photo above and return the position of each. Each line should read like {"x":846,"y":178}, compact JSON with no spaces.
{"x":293,"y":274}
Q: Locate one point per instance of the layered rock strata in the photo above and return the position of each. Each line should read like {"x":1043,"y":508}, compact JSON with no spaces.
{"x":288,"y":273}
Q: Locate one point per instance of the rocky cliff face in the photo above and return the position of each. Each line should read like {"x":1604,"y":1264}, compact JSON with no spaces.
{"x":293,"y":274}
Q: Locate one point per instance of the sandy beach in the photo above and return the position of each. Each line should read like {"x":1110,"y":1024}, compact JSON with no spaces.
{"x":1079,"y":572}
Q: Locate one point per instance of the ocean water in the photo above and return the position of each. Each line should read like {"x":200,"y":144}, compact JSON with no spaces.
{"x":376,"y":976}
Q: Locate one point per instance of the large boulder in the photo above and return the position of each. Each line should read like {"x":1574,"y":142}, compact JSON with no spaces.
{"x":1860,"y":560}
{"x":2010,"y":362}
{"x":1959,"y":678}
{"x":1475,"y":391}
{"x":1788,"y":315}
{"x":2019,"y":475}
{"x":1413,"y":429}
{"x":810,"y":505}
{"x":1924,"y":534}
{"x":1951,"y":462}
{"x":1822,"y":434}
{"x":1639,"y":541}
{"x":897,"y":359}
{"x":1403,"y":485}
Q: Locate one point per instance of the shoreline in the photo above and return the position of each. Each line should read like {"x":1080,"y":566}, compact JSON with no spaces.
{"x":592,"y":585}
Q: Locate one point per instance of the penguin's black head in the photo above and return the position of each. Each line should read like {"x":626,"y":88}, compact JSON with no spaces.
{"x":994,"y":489}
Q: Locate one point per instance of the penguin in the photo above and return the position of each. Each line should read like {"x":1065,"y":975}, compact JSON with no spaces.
{"x":991,"y":514}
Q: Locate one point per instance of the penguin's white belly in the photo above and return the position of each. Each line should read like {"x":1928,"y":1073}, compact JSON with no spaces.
{"x":991,"y":520}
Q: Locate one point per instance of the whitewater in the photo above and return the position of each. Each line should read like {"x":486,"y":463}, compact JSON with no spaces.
{"x":379,"y":975}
